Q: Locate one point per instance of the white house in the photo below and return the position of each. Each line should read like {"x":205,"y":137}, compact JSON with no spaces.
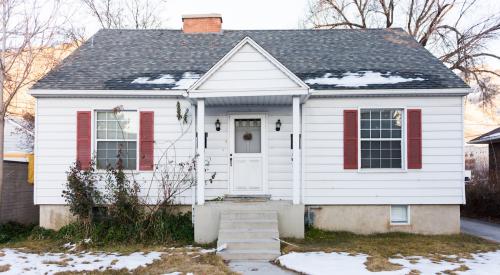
{"x":357,"y":130}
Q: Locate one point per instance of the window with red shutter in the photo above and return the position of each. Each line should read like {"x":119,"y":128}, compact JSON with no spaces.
{"x":83,"y":138}
{"x":350,"y":139}
{"x":146,"y":141}
{"x":116,"y":139}
{"x":414,"y":137}
{"x":381,"y":138}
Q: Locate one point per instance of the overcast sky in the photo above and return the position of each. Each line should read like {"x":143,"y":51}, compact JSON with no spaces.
{"x":255,"y":14}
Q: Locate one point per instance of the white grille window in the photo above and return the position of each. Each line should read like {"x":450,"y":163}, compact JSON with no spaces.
{"x":381,"y":138}
{"x":116,"y":138}
{"x":400,"y":214}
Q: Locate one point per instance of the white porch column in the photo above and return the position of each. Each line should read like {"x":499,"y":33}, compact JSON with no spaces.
{"x":200,"y":167}
{"x":296,"y":150}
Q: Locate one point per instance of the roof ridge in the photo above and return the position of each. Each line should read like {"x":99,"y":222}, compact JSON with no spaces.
{"x":263,"y":30}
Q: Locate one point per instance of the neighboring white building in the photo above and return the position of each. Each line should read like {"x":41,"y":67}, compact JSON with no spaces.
{"x":15,"y":147}
{"x":361,"y":129}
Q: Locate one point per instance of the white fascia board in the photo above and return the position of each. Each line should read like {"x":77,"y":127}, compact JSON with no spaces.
{"x":233,"y":51}
{"x":246,"y":93}
{"x":106,"y":93}
{"x":392,"y":92}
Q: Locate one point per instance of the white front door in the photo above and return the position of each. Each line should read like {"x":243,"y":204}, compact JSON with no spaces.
{"x":247,"y":154}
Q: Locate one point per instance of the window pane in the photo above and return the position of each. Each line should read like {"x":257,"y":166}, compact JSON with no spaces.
{"x":399,"y":214}
{"x":385,"y":134}
{"x":375,"y":124}
{"x":365,"y":163}
{"x":108,"y":153}
{"x":378,"y":127}
{"x":365,"y":124}
{"x":365,"y":133}
{"x":247,"y":136}
{"x":395,"y":163}
{"x":117,"y":139}
{"x":386,"y":124}
{"x":385,"y":114}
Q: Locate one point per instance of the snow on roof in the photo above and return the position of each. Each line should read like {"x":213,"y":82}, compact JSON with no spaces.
{"x":183,"y":83}
{"x":360,"y":79}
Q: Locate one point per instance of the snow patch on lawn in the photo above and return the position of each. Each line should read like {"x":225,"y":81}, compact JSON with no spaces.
{"x":187,"y":79}
{"x":50,"y":263}
{"x":360,"y":79}
{"x":343,"y":263}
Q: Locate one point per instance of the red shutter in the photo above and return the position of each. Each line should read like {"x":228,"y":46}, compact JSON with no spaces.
{"x":350,"y":139}
{"x":146,"y":140}
{"x":414,"y":139}
{"x":83,"y":138}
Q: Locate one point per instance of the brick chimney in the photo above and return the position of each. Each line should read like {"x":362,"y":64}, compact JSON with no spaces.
{"x":202,"y":23}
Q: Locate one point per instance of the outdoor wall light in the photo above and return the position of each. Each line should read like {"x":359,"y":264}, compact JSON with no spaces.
{"x":217,"y":125}
{"x":278,"y":125}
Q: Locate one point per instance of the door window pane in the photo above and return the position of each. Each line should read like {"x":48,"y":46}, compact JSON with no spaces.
{"x":247,"y":135}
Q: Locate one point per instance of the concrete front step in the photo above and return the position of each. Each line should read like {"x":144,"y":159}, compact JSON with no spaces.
{"x":249,"y":235}
{"x":251,"y":244}
{"x":250,"y":224}
{"x":249,"y":215}
{"x":244,"y":234}
{"x":266,"y":255}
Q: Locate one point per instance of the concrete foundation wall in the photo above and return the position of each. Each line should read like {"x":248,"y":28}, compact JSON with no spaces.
{"x":207,"y":217}
{"x":55,"y":216}
{"x":369,"y":219}
{"x":16,"y":203}
{"x":360,"y":219}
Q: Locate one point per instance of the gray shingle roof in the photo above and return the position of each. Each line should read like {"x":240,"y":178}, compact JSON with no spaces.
{"x":112,"y":59}
{"x":492,"y":136}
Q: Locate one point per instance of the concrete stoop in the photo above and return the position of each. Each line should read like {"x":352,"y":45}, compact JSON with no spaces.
{"x":249,"y":235}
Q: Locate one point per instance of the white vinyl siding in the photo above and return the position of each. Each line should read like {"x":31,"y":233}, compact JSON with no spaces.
{"x":248,"y":70}
{"x":279,"y":156}
{"x":440,"y":181}
{"x":56,"y":140}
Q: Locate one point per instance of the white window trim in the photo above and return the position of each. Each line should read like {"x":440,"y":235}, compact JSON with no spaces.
{"x":404,"y":164}
{"x":408,"y":214}
{"x":94,"y":138}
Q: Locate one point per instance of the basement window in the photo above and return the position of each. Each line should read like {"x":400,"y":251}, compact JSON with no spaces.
{"x":400,"y":214}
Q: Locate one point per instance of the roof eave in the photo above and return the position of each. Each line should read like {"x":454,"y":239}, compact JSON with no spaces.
{"x":391,"y":92}
{"x":39,"y":93}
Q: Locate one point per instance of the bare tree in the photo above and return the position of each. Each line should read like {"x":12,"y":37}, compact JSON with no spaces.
{"x":136,"y":14}
{"x":445,"y":27}
{"x":28,"y":27}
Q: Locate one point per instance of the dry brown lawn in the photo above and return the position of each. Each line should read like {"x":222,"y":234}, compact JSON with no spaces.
{"x":195,"y":263}
{"x":381,"y":247}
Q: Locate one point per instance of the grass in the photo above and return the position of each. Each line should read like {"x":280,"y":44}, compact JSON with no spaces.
{"x":180,"y":262}
{"x":390,"y":244}
{"x":381,"y":247}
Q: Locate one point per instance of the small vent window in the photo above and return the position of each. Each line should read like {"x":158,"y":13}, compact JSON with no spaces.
{"x":400,"y":214}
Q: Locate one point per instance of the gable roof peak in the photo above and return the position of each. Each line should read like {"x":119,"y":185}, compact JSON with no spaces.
{"x":247,"y":40}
